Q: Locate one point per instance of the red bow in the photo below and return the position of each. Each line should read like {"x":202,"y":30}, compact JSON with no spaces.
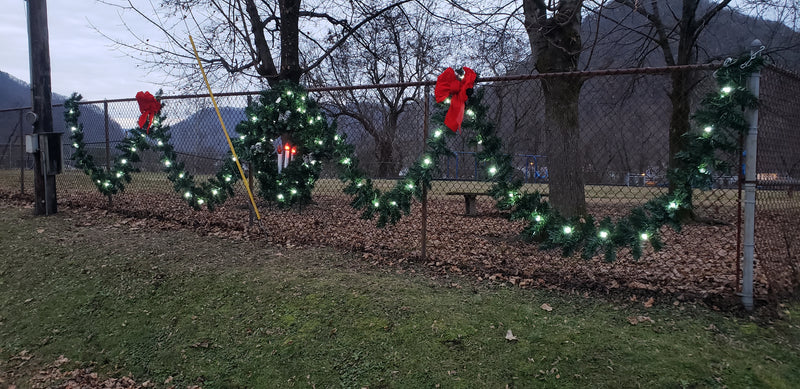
{"x":149,"y":107}
{"x":450,"y":85}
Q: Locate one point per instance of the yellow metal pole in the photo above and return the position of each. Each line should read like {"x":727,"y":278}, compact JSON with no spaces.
{"x":230,"y":144}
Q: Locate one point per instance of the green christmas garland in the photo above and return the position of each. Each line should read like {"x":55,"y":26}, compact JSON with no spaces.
{"x":211,"y":193}
{"x":286,"y":113}
{"x":286,"y":117}
{"x":107,"y":182}
{"x":720,"y":122}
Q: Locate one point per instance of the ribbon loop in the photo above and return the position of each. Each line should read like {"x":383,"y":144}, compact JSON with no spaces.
{"x":451,"y":85}
{"x":149,"y":107}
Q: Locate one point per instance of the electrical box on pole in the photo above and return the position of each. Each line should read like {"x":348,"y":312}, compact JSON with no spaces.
{"x":48,"y":146}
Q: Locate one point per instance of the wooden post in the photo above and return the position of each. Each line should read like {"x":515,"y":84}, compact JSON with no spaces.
{"x":424,"y":232}
{"x":41,"y":93}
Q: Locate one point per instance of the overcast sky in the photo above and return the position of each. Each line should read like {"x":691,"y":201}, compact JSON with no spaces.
{"x":81,"y":60}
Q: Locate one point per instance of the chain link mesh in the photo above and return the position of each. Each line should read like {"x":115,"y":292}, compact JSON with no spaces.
{"x":624,"y":125}
{"x":778,"y":177}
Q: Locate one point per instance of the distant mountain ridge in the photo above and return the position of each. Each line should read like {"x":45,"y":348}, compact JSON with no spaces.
{"x":15,"y":93}
{"x":728,"y":34}
{"x":200,"y":133}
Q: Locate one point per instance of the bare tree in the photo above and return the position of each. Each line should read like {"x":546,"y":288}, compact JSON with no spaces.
{"x":401,"y":45}
{"x":672,"y":32}
{"x":554,"y":31}
{"x":675,"y":33}
{"x":247,"y":41}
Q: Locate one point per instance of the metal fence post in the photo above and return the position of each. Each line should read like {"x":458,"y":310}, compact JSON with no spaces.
{"x":424,"y":227}
{"x":739,"y":182}
{"x":108,"y":147}
{"x":250,"y":173}
{"x":21,"y":153}
{"x":108,"y":141}
{"x":751,"y":115}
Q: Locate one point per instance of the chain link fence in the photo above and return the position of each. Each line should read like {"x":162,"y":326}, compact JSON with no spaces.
{"x":624,"y":124}
{"x":778,"y":168}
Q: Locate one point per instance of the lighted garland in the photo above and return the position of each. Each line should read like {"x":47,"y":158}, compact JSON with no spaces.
{"x":545,"y":224}
{"x":107,"y":182}
{"x":390,"y":206}
{"x":285,"y":116}
{"x":285,"y":112}
{"x":720,"y":122}
{"x":211,"y":193}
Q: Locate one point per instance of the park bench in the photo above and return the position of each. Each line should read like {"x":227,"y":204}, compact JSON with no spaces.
{"x":469,"y":200}
{"x":788,"y":185}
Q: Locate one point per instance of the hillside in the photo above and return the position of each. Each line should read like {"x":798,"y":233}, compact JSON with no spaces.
{"x":15,"y":93}
{"x":200,"y":133}
{"x":620,"y":42}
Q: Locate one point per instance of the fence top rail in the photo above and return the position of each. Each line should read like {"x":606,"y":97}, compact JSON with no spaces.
{"x":785,"y":72}
{"x":522,"y":77}
{"x":13,"y":109}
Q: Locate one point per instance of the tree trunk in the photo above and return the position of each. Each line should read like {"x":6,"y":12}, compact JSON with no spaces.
{"x":384,"y":146}
{"x":290,"y":41}
{"x":565,"y":162}
{"x":556,"y":42}
{"x":682,"y":85}
{"x":384,"y":152}
{"x":679,"y":119}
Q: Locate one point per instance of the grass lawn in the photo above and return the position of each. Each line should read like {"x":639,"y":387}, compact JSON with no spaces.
{"x":128,"y":297}
{"x":74,"y":181}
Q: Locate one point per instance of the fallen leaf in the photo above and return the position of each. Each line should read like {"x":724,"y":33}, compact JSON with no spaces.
{"x":23,"y":355}
{"x":510,"y":337}
{"x":40,"y":230}
{"x":643,"y":319}
{"x":60,"y":361}
{"x":769,"y":358}
{"x":649,"y":302}
{"x":547,"y":307}
{"x":634,"y":320}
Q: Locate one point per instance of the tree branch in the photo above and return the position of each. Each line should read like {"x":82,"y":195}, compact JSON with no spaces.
{"x":341,"y":40}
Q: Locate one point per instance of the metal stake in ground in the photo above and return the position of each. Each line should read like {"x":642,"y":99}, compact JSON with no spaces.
{"x":227,"y":137}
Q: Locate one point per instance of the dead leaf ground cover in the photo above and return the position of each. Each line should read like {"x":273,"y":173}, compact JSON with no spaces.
{"x":91,"y":298}
{"x":698,"y":262}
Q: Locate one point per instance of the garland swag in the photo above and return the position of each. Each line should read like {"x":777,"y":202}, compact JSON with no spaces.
{"x":286,"y":113}
{"x":719,"y":123}
{"x":211,"y":193}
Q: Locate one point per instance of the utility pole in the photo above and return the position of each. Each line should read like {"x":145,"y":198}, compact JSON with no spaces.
{"x":41,"y":93}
